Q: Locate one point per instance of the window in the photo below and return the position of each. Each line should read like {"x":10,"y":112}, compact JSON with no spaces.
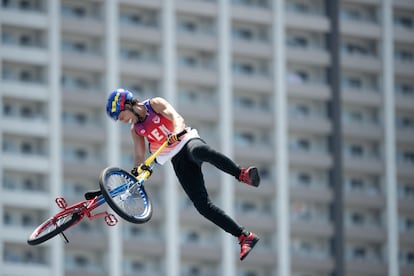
{"x":135,"y":18}
{"x":193,"y":236}
{"x":404,"y":21}
{"x":79,"y":11}
{"x":137,"y":266}
{"x":408,"y":156}
{"x":81,"y":154}
{"x":357,"y":219}
{"x":357,"y":184}
{"x":28,"y":184}
{"x":25,"y":76}
{"x":359,"y":253}
{"x":298,"y":41}
{"x":356,"y":151}
{"x":303,"y":110}
{"x":136,"y":231}
{"x":26,"y":148}
{"x":27,"y":220}
{"x":304,"y":179}
{"x":304,"y":144}
{"x":81,"y":261}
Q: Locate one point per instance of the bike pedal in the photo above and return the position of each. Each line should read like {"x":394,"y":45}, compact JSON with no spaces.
{"x":61,"y":202}
{"x":111,"y":220}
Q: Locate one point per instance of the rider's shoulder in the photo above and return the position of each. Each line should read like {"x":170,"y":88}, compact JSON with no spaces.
{"x":158,"y":101}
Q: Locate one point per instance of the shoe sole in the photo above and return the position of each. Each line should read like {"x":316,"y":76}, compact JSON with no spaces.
{"x":254,"y":176}
{"x":255,"y":240}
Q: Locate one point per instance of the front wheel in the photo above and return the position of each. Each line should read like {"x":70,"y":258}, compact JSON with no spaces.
{"x":125,"y":195}
{"x":52,"y":227}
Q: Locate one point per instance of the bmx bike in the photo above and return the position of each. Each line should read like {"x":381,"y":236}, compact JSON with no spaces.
{"x":124,"y":193}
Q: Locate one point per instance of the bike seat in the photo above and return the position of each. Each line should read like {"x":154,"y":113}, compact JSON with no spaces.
{"x":92,"y":194}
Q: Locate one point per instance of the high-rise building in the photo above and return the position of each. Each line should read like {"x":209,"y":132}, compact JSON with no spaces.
{"x":319,"y":94}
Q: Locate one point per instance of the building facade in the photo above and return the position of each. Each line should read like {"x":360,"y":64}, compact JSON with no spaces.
{"x":319,"y":94}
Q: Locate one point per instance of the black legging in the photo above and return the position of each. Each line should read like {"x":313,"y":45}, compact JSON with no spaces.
{"x":187,"y":166}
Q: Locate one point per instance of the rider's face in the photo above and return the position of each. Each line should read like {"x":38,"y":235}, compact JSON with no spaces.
{"x":126,"y":116}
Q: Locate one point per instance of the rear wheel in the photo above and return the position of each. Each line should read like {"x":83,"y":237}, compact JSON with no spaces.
{"x":52,"y":227}
{"x":125,"y":195}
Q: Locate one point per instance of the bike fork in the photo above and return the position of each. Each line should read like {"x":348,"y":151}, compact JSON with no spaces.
{"x":65,"y":239}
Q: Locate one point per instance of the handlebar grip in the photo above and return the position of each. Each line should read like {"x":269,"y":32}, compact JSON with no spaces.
{"x":181,"y":133}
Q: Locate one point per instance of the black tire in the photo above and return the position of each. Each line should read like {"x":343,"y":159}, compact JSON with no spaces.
{"x":52,"y":227}
{"x":135,"y":207}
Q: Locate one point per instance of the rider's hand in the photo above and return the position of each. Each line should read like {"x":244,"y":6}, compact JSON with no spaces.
{"x":140,"y":168}
{"x":172,"y":138}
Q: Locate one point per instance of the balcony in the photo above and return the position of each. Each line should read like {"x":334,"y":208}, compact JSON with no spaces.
{"x":90,"y":98}
{"x":313,"y":124}
{"x":403,"y":35}
{"x":257,"y":221}
{"x":34,"y":126}
{"x":362,"y":96}
{"x":312,"y":229}
{"x":201,"y":253}
{"x":197,"y":41}
{"x":253,"y":48}
{"x":365,"y":233}
{"x":85,"y":26}
{"x":26,"y":269}
{"x":252,"y":117}
{"x":141,"y":33}
{"x":405,"y":170}
{"x":364,"y":199}
{"x":253,"y":14}
{"x":29,"y":163}
{"x":309,"y":90}
{"x":406,"y":205}
{"x":87,"y":133}
{"x":407,"y":238}
{"x":308,"y":22}
{"x":21,"y":18}
{"x":90,"y":169}
{"x":197,"y":75}
{"x":254,"y":152}
{"x":363,"y":63}
{"x":199,"y":110}
{"x":90,"y":241}
{"x":363,"y":130}
{"x":311,"y":194}
{"x":258,"y":83}
{"x":84,"y":61}
{"x":405,"y":136}
{"x":366,"y":267}
{"x":25,"y":90}
{"x":26,"y":199}
{"x":309,"y":56}
{"x":154,"y":248}
{"x":363,"y":165}
{"x":361,"y":29}
{"x":404,"y":68}
{"x":318,"y":160}
{"x":32,"y":55}
{"x":144,"y":69}
{"x":203,"y":8}
{"x":267,"y":190}
{"x":405,"y":103}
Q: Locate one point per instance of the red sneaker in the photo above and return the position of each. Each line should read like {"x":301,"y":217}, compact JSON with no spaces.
{"x":247,"y":243}
{"x":249,"y":176}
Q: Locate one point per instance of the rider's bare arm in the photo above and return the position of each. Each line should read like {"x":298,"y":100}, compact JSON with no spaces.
{"x":139,"y":147}
{"x":163,"y":107}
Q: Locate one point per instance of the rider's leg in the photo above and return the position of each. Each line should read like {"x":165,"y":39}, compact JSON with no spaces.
{"x":201,"y":152}
{"x":191,"y":178}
